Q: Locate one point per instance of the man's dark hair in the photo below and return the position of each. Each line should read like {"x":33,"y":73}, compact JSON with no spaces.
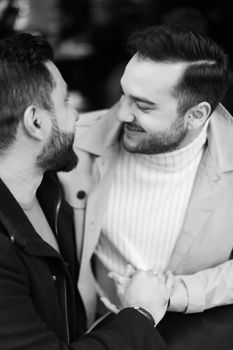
{"x":205,"y":77}
{"x":24,"y":80}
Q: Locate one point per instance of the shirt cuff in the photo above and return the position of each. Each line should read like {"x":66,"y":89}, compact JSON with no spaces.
{"x":196,"y":293}
{"x":179,"y":297}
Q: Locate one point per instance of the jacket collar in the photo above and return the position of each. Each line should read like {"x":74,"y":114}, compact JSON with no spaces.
{"x":220,"y":138}
{"x":105,"y":133}
{"x":101,"y":135}
{"x":17,"y":225}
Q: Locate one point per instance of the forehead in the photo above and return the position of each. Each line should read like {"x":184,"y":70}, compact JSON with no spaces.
{"x":150,"y":77}
{"x":60,"y":84}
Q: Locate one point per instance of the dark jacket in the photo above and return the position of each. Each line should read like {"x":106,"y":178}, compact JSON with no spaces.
{"x":40,"y":307}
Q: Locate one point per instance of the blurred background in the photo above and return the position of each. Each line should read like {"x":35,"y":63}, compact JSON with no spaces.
{"x":89,"y":37}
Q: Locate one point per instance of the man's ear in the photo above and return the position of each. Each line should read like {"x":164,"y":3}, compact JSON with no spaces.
{"x":196,"y":116}
{"x":33,"y":123}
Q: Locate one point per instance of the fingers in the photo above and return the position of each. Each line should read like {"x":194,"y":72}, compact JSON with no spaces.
{"x":120,"y":282}
{"x":118,"y":279}
{"x":111,"y":307}
{"x":130,"y":271}
{"x":165,"y":279}
{"x":161,"y":277}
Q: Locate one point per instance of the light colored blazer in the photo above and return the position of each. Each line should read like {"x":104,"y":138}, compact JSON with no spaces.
{"x":202,"y":251}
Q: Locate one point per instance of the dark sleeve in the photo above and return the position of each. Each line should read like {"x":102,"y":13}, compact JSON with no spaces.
{"x":21,"y":327}
{"x":128,"y":330}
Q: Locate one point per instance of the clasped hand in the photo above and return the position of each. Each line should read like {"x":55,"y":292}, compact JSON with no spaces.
{"x":142,"y":288}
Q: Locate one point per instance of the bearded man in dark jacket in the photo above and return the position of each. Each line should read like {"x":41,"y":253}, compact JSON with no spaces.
{"x":40,"y":306}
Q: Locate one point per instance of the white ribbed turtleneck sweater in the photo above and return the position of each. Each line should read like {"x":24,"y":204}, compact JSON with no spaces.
{"x":146,"y":207}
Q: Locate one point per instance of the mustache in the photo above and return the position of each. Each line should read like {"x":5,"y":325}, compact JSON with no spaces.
{"x":133,"y":127}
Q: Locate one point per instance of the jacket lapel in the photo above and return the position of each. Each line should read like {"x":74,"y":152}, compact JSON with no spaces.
{"x":208,"y":186}
{"x":98,"y":198}
{"x":101,"y":136}
{"x":210,"y":182}
{"x":99,"y":142}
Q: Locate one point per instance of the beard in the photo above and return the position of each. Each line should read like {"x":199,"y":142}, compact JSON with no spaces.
{"x":161,"y":142}
{"x":58,"y":153}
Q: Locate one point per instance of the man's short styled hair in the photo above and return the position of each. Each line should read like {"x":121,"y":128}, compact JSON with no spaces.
{"x":205,"y":77}
{"x":24,"y":80}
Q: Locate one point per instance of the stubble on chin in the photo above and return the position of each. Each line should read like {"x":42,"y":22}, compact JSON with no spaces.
{"x":58,"y":154}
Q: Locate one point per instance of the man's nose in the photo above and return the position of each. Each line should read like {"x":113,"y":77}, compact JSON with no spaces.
{"x":125,"y":111}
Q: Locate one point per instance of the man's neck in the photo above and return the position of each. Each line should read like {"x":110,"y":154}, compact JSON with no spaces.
{"x":192,"y":135}
{"x":21,"y":178}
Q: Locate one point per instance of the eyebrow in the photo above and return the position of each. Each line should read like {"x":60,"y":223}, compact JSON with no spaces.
{"x":144,"y":100}
{"x":141,"y":99}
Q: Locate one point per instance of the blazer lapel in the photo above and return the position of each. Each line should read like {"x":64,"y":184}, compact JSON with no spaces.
{"x":98,"y":200}
{"x":100,"y":141}
{"x":208,"y":186}
{"x":210,"y":182}
{"x":96,"y":205}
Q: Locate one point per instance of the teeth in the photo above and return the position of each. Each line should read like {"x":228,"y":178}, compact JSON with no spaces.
{"x":133,"y":128}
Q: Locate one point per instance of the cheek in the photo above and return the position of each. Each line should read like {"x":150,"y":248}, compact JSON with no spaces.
{"x":158,"y":122}
{"x":66,"y":119}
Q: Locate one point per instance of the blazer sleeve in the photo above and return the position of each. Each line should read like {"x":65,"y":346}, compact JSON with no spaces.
{"x":206,"y":289}
{"x":21,"y":327}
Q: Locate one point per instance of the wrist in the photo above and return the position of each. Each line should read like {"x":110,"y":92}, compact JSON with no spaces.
{"x":146,"y":313}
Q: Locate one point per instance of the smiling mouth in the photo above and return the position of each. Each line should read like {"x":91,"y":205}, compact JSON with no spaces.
{"x":132,"y":128}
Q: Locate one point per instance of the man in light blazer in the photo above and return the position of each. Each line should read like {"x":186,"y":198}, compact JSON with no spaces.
{"x":154,"y":184}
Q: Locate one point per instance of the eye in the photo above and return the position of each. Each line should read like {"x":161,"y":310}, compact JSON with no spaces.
{"x":143,"y":108}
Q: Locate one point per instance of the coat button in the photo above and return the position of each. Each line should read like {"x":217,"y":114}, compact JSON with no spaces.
{"x":81,"y":194}
{"x":12,"y":238}
{"x":54,"y":278}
